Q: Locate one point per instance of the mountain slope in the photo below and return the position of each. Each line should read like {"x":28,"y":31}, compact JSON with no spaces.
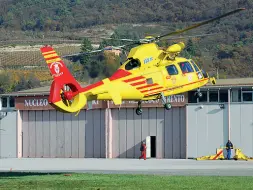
{"x":59,"y":14}
{"x":230,"y":51}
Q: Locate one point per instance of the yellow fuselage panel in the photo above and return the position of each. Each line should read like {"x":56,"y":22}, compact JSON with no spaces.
{"x":147,"y":54}
{"x":143,"y":50}
{"x":126,"y":90}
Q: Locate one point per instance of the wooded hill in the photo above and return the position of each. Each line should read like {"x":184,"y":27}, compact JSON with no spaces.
{"x":230,"y":51}
{"x":62,"y":15}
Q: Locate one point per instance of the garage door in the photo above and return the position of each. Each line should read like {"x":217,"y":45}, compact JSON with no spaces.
{"x":55,"y":134}
{"x":167,"y":129}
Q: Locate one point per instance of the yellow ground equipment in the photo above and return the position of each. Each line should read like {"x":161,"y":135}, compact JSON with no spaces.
{"x":240,"y":156}
{"x":218,"y":156}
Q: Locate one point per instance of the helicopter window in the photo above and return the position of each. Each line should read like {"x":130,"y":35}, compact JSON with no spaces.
{"x":186,"y":67}
{"x":132,"y":64}
{"x":172,"y":70}
{"x":195,"y":66}
{"x":149,"y":81}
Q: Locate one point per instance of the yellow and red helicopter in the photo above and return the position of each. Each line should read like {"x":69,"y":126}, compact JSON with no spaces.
{"x":149,"y":73}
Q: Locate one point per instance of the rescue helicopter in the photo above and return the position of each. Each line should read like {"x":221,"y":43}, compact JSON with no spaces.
{"x":149,"y":73}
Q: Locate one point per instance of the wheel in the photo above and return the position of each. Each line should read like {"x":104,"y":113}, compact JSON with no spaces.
{"x":200,"y":94}
{"x":167,"y":106}
{"x":138,"y":111}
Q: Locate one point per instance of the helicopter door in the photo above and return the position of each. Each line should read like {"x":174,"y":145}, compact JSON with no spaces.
{"x":172,"y":77}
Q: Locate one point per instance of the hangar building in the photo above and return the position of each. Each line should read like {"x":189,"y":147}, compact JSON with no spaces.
{"x":30,"y":127}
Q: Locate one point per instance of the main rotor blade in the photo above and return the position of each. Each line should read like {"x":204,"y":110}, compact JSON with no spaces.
{"x":194,"y":36}
{"x":107,"y":38}
{"x":121,"y":39}
{"x":98,"y":50}
{"x":199,"y":24}
{"x":82,"y":53}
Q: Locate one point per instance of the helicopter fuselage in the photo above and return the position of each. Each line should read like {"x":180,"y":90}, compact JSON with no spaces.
{"x":147,"y":73}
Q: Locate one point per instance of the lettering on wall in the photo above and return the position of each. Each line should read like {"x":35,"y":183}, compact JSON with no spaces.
{"x":36,"y":102}
{"x":41,"y":103}
{"x":180,"y":98}
{"x":95,"y":102}
{"x":176,"y":98}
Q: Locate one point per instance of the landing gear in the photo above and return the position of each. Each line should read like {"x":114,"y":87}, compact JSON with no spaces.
{"x":198,"y":94}
{"x":166,"y":105}
{"x":139,"y":110}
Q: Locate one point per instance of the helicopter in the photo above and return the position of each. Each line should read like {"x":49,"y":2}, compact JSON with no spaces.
{"x":149,"y":73}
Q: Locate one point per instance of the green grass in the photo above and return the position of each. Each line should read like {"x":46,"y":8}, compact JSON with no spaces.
{"x":114,"y":181}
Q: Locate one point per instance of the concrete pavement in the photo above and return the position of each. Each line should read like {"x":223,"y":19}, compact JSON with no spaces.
{"x":130,"y":166}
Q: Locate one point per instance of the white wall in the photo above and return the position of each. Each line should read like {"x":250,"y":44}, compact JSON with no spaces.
{"x":208,"y":128}
{"x":8,"y":136}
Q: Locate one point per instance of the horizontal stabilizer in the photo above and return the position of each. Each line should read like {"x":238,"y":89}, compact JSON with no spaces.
{"x":116,"y":98}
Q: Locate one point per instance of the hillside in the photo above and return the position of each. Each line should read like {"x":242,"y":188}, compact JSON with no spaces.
{"x":62,"y":15}
{"x":35,"y":21}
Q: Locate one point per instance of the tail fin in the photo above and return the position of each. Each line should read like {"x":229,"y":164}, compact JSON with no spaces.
{"x":58,"y":97}
{"x":57,"y":67}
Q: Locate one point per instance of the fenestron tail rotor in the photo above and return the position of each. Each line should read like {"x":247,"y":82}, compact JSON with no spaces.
{"x":67,"y":95}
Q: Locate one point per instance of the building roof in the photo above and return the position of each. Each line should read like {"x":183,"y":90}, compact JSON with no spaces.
{"x":234,"y":82}
{"x":222,"y":83}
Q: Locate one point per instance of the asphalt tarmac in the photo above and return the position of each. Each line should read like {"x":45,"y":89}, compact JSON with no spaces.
{"x":129,"y":166}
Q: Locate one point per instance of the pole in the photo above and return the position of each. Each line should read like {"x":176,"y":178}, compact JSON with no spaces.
{"x":229,"y":92}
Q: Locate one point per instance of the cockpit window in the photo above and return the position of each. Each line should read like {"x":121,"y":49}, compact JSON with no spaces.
{"x":195,"y":66}
{"x":186,"y":67}
{"x":132,"y":64}
{"x":172,"y":70}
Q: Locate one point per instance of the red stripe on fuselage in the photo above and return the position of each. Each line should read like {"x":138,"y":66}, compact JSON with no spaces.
{"x":134,"y":79}
{"x":138,"y":83}
{"x":119,"y":74}
{"x":175,"y":87}
{"x":186,"y":84}
{"x":99,"y":83}
{"x":149,"y":85}
{"x":151,"y":89}
{"x":153,"y":93}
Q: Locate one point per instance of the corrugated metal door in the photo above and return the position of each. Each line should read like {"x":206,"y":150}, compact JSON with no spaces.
{"x":8,"y":136}
{"x":55,"y":134}
{"x":129,"y":129}
{"x":241,"y":119}
{"x":207,"y":129}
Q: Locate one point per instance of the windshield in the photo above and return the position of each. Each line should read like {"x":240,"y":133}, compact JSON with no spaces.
{"x":132,"y":64}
